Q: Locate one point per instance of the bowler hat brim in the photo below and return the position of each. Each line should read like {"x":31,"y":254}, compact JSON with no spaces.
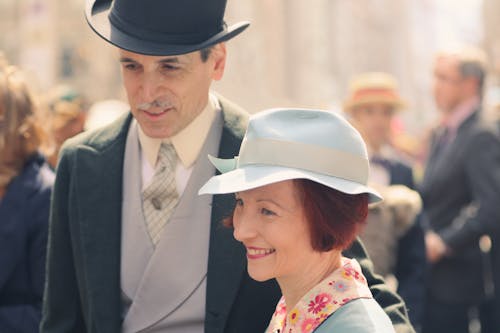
{"x":97,"y":14}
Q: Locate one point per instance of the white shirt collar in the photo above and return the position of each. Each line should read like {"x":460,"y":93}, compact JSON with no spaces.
{"x":188,"y":142}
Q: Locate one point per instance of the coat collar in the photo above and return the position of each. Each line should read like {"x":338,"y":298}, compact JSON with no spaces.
{"x":97,"y":170}
{"x":226,"y":261}
{"x":342,"y":286}
{"x":439,"y":159}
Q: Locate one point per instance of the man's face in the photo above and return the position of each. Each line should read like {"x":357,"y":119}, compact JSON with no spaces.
{"x":448,"y":83}
{"x":166,"y":93}
{"x":373,"y":121}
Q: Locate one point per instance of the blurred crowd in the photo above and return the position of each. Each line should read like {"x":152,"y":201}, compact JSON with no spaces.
{"x":435,"y":237}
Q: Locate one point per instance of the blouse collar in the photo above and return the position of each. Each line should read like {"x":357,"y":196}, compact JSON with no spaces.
{"x":342,"y":286}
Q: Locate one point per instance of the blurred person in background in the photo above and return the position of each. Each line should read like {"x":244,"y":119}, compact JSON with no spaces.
{"x":26,"y":182}
{"x":67,"y":111}
{"x":132,"y":246}
{"x":102,"y":113}
{"x":393,"y":235}
{"x":460,"y":191}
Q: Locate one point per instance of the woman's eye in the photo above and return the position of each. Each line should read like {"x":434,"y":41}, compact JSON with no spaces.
{"x":267,"y":212}
{"x":239,"y":202}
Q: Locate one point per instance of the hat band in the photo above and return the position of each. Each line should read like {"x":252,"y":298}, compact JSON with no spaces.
{"x":322,"y":160}
{"x":155,"y":36}
{"x":382,"y":93}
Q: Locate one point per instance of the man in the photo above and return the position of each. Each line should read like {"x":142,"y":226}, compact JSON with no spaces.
{"x":371,"y":106}
{"x":133,"y":248}
{"x":461,"y":191}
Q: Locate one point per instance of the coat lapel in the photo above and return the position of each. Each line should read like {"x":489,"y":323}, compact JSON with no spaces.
{"x":440,"y":162}
{"x":226,"y":263}
{"x":99,"y":168}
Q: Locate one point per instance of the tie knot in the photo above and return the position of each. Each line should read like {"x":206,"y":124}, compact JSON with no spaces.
{"x":167,"y":156}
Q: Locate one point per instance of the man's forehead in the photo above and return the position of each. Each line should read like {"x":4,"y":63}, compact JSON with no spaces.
{"x":125,"y":55}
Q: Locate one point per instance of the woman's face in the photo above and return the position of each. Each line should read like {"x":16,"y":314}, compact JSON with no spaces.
{"x":270,"y":222}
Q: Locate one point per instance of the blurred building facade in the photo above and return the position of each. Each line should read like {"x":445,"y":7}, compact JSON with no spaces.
{"x":295,"y":52}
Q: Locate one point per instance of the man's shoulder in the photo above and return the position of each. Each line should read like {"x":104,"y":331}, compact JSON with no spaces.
{"x":100,"y":138}
{"x":482,"y":132}
{"x":234,"y":116}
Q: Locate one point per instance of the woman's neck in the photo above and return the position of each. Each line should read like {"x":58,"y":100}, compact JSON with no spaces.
{"x":296,"y":286}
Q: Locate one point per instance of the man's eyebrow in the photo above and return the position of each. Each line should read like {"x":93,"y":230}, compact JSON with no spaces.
{"x":125,"y":59}
{"x":172,"y":60}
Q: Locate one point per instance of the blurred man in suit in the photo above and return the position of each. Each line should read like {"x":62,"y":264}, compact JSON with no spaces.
{"x":461,"y":191}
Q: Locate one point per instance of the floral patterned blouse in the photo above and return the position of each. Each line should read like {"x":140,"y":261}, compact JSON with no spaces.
{"x":343,"y":285}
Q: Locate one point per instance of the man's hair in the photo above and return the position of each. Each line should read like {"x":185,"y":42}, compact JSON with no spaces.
{"x":205,"y":53}
{"x":470,"y":68}
{"x":472,"y":63}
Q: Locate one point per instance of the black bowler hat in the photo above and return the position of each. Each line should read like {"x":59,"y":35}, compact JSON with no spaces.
{"x":161,"y":27}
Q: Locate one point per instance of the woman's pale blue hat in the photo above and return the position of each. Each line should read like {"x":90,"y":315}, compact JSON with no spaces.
{"x":284,"y":144}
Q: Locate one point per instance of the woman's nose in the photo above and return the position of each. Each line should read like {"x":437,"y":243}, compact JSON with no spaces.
{"x":244,"y":228}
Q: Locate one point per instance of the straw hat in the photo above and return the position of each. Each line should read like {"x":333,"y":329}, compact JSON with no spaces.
{"x":373,"y":87}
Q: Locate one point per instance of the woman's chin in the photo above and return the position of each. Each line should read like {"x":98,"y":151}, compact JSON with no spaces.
{"x":259,"y":277}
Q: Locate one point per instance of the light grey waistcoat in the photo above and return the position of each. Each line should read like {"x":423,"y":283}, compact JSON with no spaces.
{"x":164,"y":289}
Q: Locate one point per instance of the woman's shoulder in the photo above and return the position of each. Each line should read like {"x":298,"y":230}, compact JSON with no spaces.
{"x":358,"y":316}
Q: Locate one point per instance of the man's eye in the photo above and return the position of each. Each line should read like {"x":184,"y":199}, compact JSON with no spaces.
{"x":130,"y":67}
{"x":169,"y":68}
{"x":267,"y":212}
{"x":239,"y":202}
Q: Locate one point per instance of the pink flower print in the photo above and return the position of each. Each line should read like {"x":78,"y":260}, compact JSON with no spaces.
{"x":345,"y":300}
{"x":322,"y":317}
{"x":319,"y":302}
{"x":281,"y":308}
{"x":346,"y":274}
{"x":340,"y":286}
{"x":308,"y":325}
{"x":349,"y":272}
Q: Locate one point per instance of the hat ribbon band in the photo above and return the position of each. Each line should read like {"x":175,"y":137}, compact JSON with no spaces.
{"x":322,"y":160}
{"x":388,"y":93}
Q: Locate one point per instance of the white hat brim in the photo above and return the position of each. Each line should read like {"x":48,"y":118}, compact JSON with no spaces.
{"x":253,"y":176}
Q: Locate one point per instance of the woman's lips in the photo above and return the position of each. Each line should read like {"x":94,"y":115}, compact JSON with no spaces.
{"x":257,"y":253}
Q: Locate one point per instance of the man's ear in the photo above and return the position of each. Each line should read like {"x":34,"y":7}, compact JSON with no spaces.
{"x":219,"y":58}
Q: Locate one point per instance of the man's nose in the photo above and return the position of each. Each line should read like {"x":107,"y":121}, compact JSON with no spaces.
{"x":150,"y":87}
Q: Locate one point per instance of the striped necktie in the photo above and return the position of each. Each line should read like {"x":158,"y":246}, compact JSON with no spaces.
{"x":160,"y":197}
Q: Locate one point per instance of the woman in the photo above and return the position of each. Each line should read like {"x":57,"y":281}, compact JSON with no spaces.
{"x":67,"y":113}
{"x":301,"y":198}
{"x":25,"y":186}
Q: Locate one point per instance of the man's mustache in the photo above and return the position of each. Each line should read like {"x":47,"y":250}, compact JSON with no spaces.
{"x":162,"y":103}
